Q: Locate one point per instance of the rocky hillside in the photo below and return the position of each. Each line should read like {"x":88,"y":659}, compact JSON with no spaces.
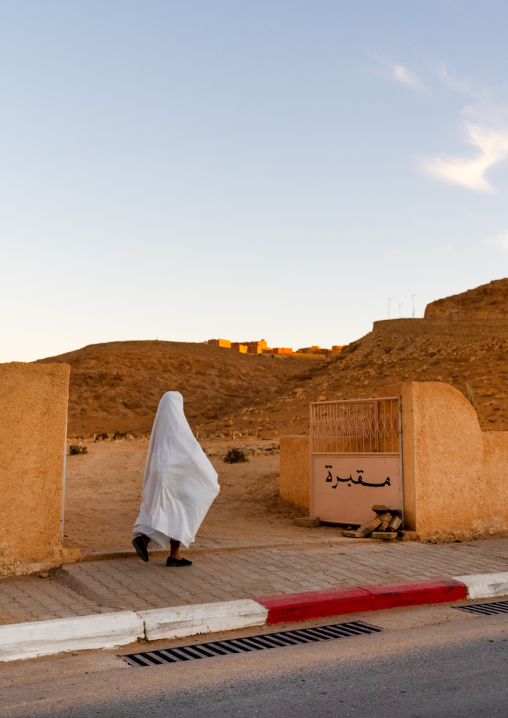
{"x":115,"y":387}
{"x":487,"y":301}
{"x":471,"y":355}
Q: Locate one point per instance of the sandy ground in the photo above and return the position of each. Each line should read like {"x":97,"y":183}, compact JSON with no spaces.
{"x":103,"y":493}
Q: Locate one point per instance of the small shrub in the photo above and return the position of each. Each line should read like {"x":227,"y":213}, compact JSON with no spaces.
{"x":77,"y":449}
{"x":102,"y":436}
{"x":119,"y":435}
{"x":234,"y":456}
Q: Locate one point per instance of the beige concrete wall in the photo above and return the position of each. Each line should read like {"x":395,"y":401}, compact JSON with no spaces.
{"x":455,"y":476}
{"x":295,"y":470}
{"x":33,"y":415}
{"x":495,"y":480}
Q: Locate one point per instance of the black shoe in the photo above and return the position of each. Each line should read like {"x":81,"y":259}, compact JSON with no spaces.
{"x":177,"y":562}
{"x":140,"y":547}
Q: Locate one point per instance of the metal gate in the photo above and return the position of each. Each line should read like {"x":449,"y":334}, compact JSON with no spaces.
{"x":356,"y":458}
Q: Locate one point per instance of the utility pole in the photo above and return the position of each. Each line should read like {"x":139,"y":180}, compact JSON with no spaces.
{"x":389,"y":300}
{"x":400,"y":312}
{"x":413,"y":302}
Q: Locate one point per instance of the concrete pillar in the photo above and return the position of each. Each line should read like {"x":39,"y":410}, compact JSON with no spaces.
{"x":33,"y":418}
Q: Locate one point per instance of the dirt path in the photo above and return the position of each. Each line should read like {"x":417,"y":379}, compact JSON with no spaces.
{"x":103,"y":493}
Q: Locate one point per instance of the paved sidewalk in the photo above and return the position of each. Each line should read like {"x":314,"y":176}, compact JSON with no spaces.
{"x":123,"y":584}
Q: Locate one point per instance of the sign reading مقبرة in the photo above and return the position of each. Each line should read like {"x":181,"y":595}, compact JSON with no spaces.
{"x":345,"y":487}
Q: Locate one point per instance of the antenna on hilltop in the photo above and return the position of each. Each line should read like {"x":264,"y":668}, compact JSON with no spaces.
{"x":413,"y":302}
{"x":400,"y":313}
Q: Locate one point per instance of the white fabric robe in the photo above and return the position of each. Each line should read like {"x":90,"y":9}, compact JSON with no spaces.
{"x":180,"y":483}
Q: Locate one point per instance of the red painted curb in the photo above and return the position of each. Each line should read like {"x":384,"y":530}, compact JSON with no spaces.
{"x":416,"y":593}
{"x":315,"y":604}
{"x":337,"y":602}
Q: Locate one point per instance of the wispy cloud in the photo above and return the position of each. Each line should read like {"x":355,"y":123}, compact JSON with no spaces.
{"x":402,"y":74}
{"x":492,"y":146}
{"x":500,"y":241}
{"x":395,"y":71}
{"x":484,"y":127}
{"x":463,"y":85}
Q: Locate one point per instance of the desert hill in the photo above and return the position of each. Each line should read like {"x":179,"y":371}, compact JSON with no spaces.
{"x":115,"y":387}
{"x":487,"y":301}
{"x":471,"y":355}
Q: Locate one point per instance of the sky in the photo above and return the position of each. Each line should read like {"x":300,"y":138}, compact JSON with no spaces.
{"x":273,"y":169}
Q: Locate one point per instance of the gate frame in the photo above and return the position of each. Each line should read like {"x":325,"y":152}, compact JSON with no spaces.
{"x":355,"y":453}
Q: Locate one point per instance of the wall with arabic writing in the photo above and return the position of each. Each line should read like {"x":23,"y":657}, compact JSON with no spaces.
{"x":455,"y":475}
{"x":295,"y":470}
{"x":33,"y":410}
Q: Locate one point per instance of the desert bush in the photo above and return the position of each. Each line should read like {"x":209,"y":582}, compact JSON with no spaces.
{"x":234,"y":456}
{"x":77,"y":449}
{"x":119,"y":435}
{"x":102,"y":436}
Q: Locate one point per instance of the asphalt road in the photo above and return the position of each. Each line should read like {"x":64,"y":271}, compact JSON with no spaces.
{"x":427,"y":662}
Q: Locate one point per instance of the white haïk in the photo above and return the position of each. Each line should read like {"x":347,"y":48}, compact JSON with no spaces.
{"x":180,"y":483}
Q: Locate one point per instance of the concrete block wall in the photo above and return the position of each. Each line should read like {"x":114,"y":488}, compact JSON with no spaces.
{"x":33,"y":416}
{"x":295,"y":470}
{"x":455,"y":475}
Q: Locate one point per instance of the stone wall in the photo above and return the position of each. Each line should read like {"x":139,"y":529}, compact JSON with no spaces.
{"x":444,"y":326}
{"x":33,"y":415}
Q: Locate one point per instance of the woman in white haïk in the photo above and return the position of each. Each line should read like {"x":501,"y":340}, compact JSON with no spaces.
{"x":179,"y":487}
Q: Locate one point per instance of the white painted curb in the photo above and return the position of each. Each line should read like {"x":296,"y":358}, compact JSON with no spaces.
{"x":485,"y":585}
{"x":107,"y":630}
{"x":202,"y":618}
{"x":42,"y":638}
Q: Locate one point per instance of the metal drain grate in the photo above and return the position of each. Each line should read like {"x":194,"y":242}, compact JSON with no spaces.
{"x":486,"y":609}
{"x":250,"y":643}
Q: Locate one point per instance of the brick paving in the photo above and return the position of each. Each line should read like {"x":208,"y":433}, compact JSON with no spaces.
{"x":29,"y":598}
{"x":122,"y":584}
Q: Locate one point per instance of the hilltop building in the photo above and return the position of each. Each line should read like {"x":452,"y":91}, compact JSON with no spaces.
{"x":256,"y":347}
{"x":219,"y":343}
{"x":261,"y":347}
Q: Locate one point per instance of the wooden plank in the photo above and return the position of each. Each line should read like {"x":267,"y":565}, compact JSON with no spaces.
{"x":385,"y":535}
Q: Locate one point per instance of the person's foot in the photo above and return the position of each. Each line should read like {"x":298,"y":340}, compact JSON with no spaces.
{"x":177,"y":562}
{"x":140,"y":546}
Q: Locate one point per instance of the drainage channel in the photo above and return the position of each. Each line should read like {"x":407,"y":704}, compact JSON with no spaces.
{"x":485,"y":609}
{"x":250,"y":643}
